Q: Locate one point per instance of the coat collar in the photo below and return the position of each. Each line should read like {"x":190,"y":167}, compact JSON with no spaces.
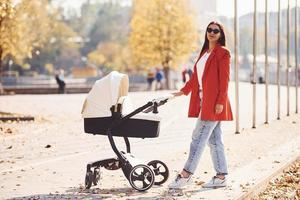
{"x":210,"y":58}
{"x":213,"y":52}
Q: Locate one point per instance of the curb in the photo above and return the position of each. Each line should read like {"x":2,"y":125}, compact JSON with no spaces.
{"x":258,"y":188}
{"x":5,"y":119}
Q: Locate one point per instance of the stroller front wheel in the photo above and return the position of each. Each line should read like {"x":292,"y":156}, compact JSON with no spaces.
{"x":141,"y":177}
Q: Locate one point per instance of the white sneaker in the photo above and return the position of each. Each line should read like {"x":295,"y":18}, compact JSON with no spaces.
{"x":180,"y":182}
{"x":215,"y":182}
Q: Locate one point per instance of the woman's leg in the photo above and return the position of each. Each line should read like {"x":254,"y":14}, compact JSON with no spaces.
{"x":200,"y":136}
{"x":217,"y":151}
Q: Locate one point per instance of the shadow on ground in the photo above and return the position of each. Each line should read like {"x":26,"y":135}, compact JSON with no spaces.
{"x":97,"y":193}
{"x":155,"y":193}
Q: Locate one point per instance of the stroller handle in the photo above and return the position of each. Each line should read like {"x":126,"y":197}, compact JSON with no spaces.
{"x":158,"y":102}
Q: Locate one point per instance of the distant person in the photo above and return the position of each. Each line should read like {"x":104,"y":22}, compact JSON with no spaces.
{"x":209,"y":103}
{"x":190,"y":72}
{"x":186,"y":71}
{"x":159,"y":76}
{"x":260,"y":73}
{"x":183,"y":74}
{"x":60,"y":80}
{"x":150,"y":78}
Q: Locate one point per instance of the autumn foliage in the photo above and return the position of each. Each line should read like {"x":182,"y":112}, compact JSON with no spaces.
{"x":162,"y":33}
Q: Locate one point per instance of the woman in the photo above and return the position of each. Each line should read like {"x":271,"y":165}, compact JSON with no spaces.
{"x":210,"y":104}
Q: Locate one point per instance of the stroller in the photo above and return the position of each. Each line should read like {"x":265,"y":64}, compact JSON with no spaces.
{"x":106,"y":111}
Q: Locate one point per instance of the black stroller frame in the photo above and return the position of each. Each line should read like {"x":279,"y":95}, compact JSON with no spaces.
{"x":140,"y":176}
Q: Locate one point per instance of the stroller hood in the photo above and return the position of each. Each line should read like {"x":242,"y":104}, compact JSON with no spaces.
{"x":105,"y":93}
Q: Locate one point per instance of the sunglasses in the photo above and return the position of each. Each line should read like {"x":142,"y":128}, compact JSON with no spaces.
{"x":215,"y":31}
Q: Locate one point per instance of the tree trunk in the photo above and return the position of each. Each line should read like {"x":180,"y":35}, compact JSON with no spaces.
{"x":166,"y":69}
{"x":1,"y":66}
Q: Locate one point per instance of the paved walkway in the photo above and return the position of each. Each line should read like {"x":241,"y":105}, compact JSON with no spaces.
{"x":28,"y":169}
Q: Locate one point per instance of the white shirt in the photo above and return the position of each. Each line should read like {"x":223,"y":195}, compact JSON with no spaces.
{"x":201,"y":66}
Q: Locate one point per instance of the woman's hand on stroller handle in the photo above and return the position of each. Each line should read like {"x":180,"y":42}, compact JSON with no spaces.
{"x":162,"y":100}
{"x":177,"y":93}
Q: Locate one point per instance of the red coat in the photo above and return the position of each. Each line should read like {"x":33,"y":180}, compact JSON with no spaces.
{"x":214,"y":87}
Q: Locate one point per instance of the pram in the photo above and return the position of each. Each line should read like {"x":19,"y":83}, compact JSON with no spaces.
{"x":106,"y":112}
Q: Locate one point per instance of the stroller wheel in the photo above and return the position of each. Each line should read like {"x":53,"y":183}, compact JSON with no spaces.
{"x":160,"y":170}
{"x":97,"y":176}
{"x":89,"y":179}
{"x":141,"y":177}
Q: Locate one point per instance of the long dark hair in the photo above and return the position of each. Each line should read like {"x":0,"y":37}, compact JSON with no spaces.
{"x":221,"y":41}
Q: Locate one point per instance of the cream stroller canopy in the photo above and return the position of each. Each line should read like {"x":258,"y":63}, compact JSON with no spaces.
{"x":104,"y":94}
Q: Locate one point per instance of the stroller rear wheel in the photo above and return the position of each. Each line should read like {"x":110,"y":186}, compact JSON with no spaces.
{"x":89,"y":178}
{"x":160,"y":170}
{"x":141,"y":177}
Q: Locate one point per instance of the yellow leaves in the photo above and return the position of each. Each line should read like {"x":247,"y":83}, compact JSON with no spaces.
{"x":6,"y":10}
{"x":6,"y":30}
{"x":284,"y":186}
{"x":161,"y":30}
{"x":3,"y":14}
{"x":26,"y":66}
{"x":28,"y":25}
{"x":35,"y":21}
{"x":96,"y":58}
{"x":50,"y":68}
{"x":111,"y":55}
{"x":29,"y":54}
{"x":3,"y":6}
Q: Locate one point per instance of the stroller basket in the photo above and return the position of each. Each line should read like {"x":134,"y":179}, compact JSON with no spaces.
{"x":139,"y":128}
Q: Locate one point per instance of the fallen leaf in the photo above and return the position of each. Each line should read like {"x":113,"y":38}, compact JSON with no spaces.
{"x":199,"y":182}
{"x":8,"y":130}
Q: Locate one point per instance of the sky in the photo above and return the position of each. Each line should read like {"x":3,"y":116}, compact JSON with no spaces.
{"x":224,"y":7}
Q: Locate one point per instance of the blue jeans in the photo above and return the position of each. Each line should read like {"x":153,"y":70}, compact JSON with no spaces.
{"x":207,"y":131}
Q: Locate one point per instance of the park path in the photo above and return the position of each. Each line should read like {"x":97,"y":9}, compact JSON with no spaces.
{"x":47,"y":158}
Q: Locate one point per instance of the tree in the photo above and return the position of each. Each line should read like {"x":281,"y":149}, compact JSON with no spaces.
{"x":34,"y":23}
{"x":110,"y":25}
{"x":50,"y":37}
{"x":96,"y":58}
{"x":17,"y":38}
{"x":104,"y":27}
{"x":8,"y":31}
{"x":62,"y":40}
{"x":32,"y":32}
{"x":162,"y":32}
{"x":111,"y":56}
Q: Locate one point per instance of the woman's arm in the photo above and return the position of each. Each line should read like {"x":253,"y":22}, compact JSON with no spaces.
{"x":224,"y":76}
{"x":187,"y":88}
